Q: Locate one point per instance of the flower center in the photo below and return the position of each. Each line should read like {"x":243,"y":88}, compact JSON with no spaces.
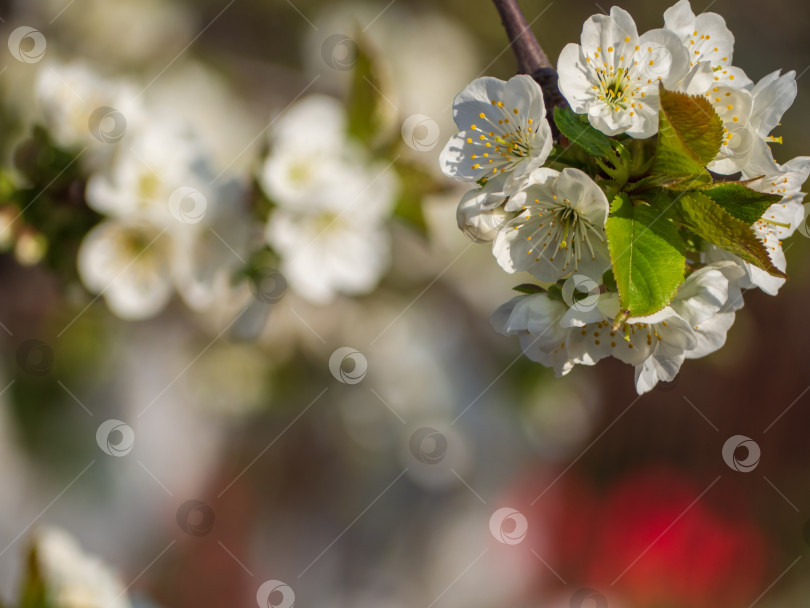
{"x":504,"y":138}
{"x":565,"y":230}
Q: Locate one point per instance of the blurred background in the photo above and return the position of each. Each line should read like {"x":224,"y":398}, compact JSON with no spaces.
{"x":381,"y":448}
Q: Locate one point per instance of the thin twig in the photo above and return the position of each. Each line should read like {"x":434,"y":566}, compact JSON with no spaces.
{"x":530,"y":55}
{"x":531,"y":58}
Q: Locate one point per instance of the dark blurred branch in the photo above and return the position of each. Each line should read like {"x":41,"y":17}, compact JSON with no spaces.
{"x":530,"y":55}
{"x":531,"y":59}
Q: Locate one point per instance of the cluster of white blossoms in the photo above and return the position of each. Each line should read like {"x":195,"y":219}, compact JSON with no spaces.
{"x":330,"y":203}
{"x":169,"y":225}
{"x":601,"y":221}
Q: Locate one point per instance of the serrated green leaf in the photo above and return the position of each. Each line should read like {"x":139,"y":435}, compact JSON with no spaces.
{"x":689,"y":136}
{"x":528,"y":288}
{"x":364,"y":106}
{"x":580,"y":133}
{"x":647,"y":255}
{"x":741,"y":202}
{"x":710,"y":221}
{"x":694,"y":121}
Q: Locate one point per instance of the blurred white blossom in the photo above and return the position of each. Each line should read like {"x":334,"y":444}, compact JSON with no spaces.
{"x":332,"y":203}
{"x":74,"y":579}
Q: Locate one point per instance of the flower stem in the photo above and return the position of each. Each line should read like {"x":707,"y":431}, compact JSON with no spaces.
{"x":531,"y":59}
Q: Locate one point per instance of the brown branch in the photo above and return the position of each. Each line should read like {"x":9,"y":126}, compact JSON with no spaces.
{"x":528,"y":52}
{"x":531,"y":59}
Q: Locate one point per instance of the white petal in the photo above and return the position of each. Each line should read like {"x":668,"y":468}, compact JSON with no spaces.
{"x":574,"y":82}
{"x":477,"y":222}
{"x":711,"y":335}
{"x":773,"y":95}
{"x":587,"y":198}
{"x":670,"y":58}
{"x":679,"y":18}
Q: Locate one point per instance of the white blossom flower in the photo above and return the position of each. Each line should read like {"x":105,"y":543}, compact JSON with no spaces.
{"x":560,"y":227}
{"x":82,"y":109}
{"x":332,"y":202}
{"x":480,"y":214}
{"x":535,"y":319}
{"x":73,"y":579}
{"x":748,"y":119}
{"x":129,"y":262}
{"x":503,"y":134}
{"x":150,"y":165}
{"x":147,"y":248}
{"x":694,"y":325}
{"x":324,"y":254}
{"x":311,"y":161}
{"x":707,"y":39}
{"x":613,"y":75}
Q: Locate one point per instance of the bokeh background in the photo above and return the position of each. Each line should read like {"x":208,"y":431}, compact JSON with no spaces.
{"x":384,"y":492}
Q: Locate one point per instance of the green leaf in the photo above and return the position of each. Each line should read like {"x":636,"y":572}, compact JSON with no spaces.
{"x":609,"y":281}
{"x":647,"y":255}
{"x":689,"y":136}
{"x":579,"y":132}
{"x":528,"y":288}
{"x":365,"y":101}
{"x":710,"y":221}
{"x":741,"y":202}
{"x":695,"y":122}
